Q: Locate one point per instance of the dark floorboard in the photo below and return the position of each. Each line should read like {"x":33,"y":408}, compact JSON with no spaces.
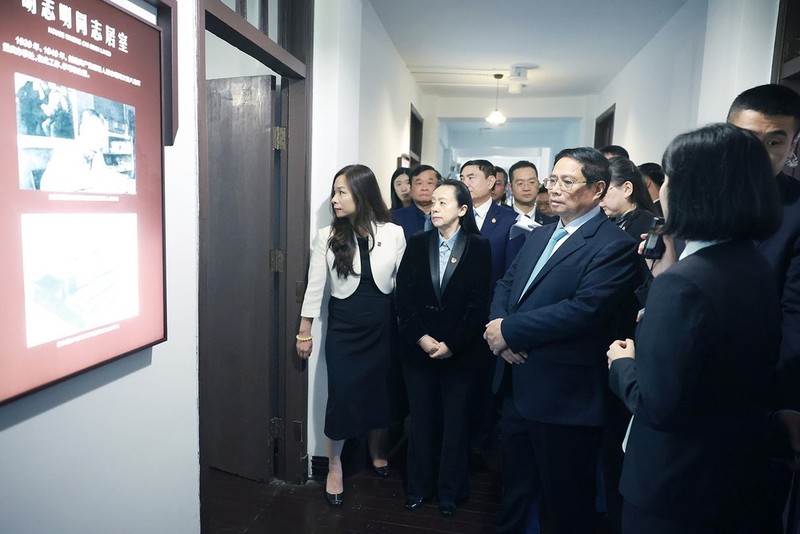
{"x":371,"y":504}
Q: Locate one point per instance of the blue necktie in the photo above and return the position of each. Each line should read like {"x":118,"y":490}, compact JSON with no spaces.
{"x":428,"y":225}
{"x":548,"y":250}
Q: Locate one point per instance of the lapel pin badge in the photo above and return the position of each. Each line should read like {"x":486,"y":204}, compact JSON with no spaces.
{"x":494,"y":220}
{"x":453,"y":260}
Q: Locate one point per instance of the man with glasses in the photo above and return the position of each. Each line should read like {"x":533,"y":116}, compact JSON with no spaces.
{"x":554,"y":313}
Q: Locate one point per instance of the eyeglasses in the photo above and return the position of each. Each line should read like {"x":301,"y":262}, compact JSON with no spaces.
{"x":566,"y":183}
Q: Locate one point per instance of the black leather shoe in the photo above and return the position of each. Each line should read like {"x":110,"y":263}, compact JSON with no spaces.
{"x":447,"y":509}
{"x":412,"y":503}
{"x":334,"y":499}
{"x":382,"y":471}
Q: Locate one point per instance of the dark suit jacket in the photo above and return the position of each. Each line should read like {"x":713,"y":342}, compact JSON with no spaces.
{"x":565,"y":321}
{"x":636,"y":222}
{"x":782,"y":251}
{"x":700,"y":385}
{"x":496,"y":228}
{"x":543,"y":219}
{"x":458,"y":312}
{"x":411,"y":218}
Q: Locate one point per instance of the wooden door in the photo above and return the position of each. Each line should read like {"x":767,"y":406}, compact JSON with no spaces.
{"x":237,"y":357}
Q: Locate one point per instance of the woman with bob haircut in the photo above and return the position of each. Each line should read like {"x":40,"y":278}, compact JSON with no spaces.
{"x":356,"y":258}
{"x":627,"y":201}
{"x":699,"y":377}
{"x":443,"y":288}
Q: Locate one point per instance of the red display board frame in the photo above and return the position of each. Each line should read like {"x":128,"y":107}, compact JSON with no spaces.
{"x":82,"y":273}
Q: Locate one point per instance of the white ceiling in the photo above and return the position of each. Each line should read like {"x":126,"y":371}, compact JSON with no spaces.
{"x":453,"y":47}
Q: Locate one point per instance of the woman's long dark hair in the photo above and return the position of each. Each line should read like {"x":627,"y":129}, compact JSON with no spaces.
{"x":396,"y":202}
{"x":624,"y":170}
{"x":370,"y":210}
{"x":463,"y":198}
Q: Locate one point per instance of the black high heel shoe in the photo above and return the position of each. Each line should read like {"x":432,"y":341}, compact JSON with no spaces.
{"x":334,"y":499}
{"x":382,"y":471}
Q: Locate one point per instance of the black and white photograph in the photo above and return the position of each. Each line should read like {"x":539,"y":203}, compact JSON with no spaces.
{"x":70,"y":141}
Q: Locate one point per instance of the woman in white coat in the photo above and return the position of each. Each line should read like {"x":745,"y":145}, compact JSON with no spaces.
{"x":357,"y":258}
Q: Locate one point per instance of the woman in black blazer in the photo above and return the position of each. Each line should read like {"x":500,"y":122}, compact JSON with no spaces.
{"x":443,"y":287}
{"x":627,"y":201}
{"x":706,"y":346}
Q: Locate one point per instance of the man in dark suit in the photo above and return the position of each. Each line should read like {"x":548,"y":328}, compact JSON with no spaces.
{"x":415,"y":218}
{"x":552,"y":317}
{"x":494,"y":222}
{"x":653,"y":176}
{"x":772,"y":113}
{"x":525,"y":188}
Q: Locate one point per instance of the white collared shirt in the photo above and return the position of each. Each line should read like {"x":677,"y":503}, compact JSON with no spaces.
{"x":696,"y":246}
{"x":481,"y":211}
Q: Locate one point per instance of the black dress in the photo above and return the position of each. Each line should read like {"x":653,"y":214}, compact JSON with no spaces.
{"x":357,"y":353}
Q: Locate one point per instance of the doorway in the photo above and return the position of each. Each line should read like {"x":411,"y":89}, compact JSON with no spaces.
{"x":237,"y":333}
{"x":253,"y":174}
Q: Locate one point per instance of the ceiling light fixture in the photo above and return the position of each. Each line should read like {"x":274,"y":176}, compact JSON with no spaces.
{"x":495,"y":117}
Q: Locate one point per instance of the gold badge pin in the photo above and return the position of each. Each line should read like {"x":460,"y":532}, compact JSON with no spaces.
{"x":494,"y":220}
{"x":453,"y":260}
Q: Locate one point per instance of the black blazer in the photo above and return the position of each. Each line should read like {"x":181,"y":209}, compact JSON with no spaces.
{"x":578,"y":303}
{"x":457,"y":312}
{"x":699,"y":387}
{"x":636,"y":222}
{"x":411,"y":218}
{"x":782,"y":251}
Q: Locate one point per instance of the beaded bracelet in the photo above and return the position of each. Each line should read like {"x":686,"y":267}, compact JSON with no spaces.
{"x":300,"y":337}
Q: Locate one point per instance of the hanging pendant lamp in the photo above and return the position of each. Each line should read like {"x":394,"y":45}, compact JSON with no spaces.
{"x":496,"y":118}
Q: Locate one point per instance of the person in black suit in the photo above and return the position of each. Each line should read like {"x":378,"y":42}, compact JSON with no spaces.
{"x":653,"y":177}
{"x":772,"y":113}
{"x":500,"y":189}
{"x":524,"y":179}
{"x":699,"y":377}
{"x":416,"y":217}
{"x":552,"y":317}
{"x":442,"y":303}
{"x":627,"y":202}
{"x":495,"y":223}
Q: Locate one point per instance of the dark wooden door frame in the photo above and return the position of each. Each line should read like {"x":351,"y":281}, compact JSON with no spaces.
{"x":292,"y":62}
{"x":604,"y":128}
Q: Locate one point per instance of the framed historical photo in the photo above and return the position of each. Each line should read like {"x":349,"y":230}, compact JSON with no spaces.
{"x":81,"y":187}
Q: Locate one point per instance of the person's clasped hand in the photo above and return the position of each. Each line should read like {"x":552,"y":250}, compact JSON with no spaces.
{"x":621,"y":349}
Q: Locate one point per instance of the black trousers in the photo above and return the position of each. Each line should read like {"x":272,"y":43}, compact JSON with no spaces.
{"x":438,"y":394}
{"x":556,"y":462}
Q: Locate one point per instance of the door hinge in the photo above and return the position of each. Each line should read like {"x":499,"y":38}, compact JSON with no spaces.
{"x":277,"y":260}
{"x":279,"y":138}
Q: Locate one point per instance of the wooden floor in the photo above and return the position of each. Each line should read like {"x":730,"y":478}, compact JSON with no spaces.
{"x":371,"y":504}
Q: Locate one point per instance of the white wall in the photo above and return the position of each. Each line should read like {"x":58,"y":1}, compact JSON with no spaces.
{"x":387,"y":91}
{"x":740,"y":37}
{"x":689,"y":74}
{"x":656,"y":93}
{"x":334,"y":144}
{"x":116,"y":449}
